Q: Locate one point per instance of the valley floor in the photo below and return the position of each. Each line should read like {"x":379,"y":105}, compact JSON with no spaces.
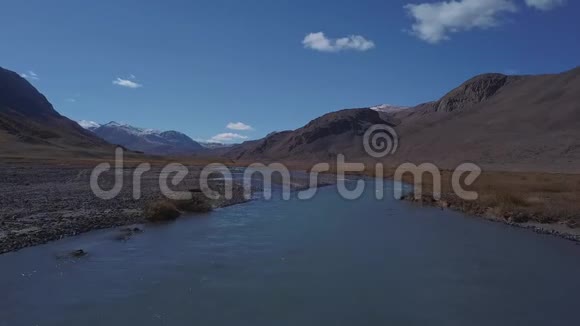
{"x":41,"y":202}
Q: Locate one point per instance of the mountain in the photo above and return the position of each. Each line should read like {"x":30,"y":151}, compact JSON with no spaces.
{"x":322,"y":139}
{"x":387,"y":108}
{"x":148,"y":141}
{"x":214,"y":145}
{"x":29,"y":125}
{"x":500,"y":122}
{"x":89,"y":125}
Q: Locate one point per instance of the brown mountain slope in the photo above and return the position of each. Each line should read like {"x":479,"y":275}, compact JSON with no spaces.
{"x":500,"y":122}
{"x":320,"y":140}
{"x":29,"y":125}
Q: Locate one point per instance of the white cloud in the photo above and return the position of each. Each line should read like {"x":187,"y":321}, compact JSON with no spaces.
{"x":239,"y":126}
{"x":72,"y":99}
{"x":435,"y":21}
{"x":226,"y":137}
{"x":127,"y":82}
{"x":29,"y":75}
{"x":545,"y":4}
{"x":319,"y":42}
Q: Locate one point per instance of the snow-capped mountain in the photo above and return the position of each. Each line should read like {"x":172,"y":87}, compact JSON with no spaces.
{"x":131,"y":129}
{"x":89,"y":125}
{"x":214,"y":145}
{"x":149,"y":141}
{"x":388,"y":108}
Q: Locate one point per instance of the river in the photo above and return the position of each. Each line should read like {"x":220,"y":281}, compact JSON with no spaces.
{"x":324,"y":261}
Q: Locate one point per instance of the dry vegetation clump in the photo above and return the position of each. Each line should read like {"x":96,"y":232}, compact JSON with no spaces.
{"x":170,"y":209}
{"x":197,"y":204}
{"x":161,"y":210}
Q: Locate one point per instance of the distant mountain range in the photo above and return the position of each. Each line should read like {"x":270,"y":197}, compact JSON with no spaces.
{"x":214,"y":145}
{"x":498,"y":121}
{"x":149,"y":141}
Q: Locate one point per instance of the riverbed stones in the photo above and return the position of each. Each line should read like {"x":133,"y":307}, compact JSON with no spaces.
{"x":59,"y":202}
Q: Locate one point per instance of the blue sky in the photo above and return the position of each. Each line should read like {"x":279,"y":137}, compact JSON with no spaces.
{"x":197,"y":66}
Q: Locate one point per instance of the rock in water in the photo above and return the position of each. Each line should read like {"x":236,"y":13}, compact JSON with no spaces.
{"x":78,"y":253}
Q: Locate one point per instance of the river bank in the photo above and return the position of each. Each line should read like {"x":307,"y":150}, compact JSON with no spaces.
{"x":41,"y":203}
{"x":514,"y":217}
{"x":47,"y":202}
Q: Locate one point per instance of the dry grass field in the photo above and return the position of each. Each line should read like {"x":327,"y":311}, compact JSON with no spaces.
{"x":516,"y":197}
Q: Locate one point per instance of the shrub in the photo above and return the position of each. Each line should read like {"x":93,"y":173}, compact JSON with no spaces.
{"x":197,"y":204}
{"x":161,"y":210}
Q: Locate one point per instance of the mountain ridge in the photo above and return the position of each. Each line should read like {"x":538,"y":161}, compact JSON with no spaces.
{"x":29,"y":124}
{"x":526,"y":122}
{"x":503,"y":122}
{"x":148,"y":141}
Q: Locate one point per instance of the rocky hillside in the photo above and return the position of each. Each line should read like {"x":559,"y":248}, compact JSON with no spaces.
{"x":500,"y":122}
{"x":503,"y":122}
{"x":29,"y":124}
{"x":323,"y":138}
{"x":148,"y":141}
